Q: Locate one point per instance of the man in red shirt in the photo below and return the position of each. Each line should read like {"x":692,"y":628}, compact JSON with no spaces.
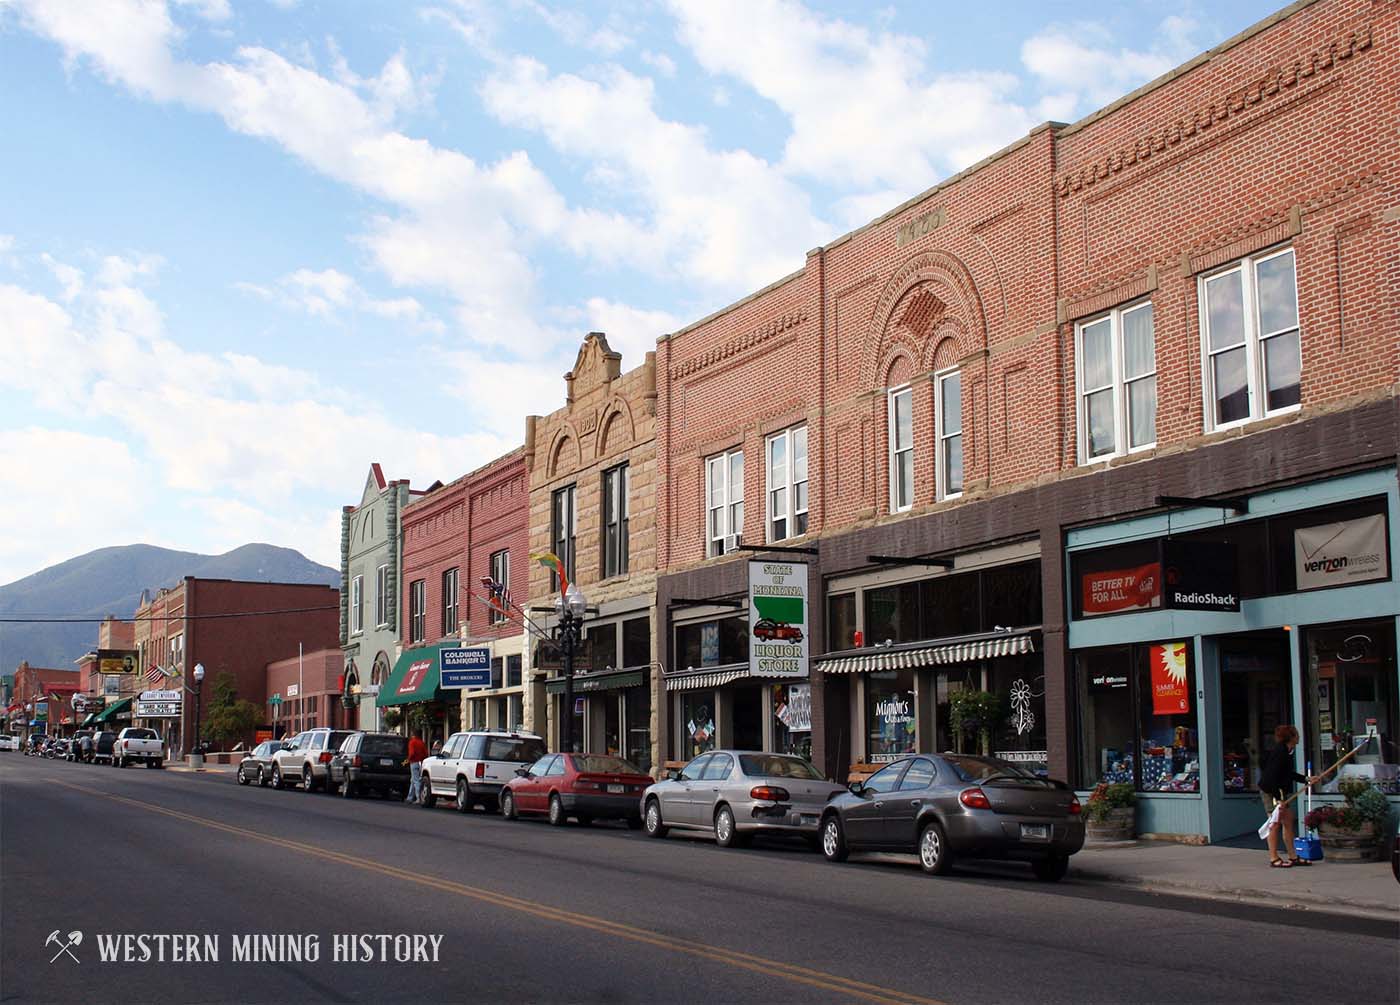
{"x":417,"y":751}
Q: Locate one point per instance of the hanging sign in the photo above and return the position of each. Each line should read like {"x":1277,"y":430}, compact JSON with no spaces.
{"x":778,"y":619}
{"x":1171,"y":693}
{"x":462,"y":668}
{"x":116,"y":661}
{"x":1337,"y":554}
{"x":1200,"y":575}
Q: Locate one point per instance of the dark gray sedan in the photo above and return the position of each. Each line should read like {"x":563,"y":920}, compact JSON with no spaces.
{"x":946,"y":806}
{"x":737,"y":794}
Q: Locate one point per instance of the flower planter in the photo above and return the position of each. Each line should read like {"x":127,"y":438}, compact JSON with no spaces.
{"x":1118,"y":825}
{"x":1339,"y":845}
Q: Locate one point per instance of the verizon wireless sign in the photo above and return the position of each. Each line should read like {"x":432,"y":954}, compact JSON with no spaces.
{"x":1340,"y":554}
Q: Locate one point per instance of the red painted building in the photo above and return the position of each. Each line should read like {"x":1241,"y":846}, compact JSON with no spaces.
{"x":310,"y":686}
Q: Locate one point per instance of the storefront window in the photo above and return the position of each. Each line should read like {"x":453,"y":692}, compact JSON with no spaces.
{"x":513,"y":670}
{"x":517,"y":709}
{"x":611,"y":703}
{"x":1019,"y":683}
{"x":1256,"y":689}
{"x":713,"y":643}
{"x":1005,"y":596}
{"x":1011,"y":596}
{"x":792,"y":719}
{"x":636,"y":643}
{"x":602,"y":645}
{"x":889,"y":715}
{"x":841,"y":622}
{"x":638,"y":713}
{"x":1350,"y":694}
{"x":697,"y":723}
{"x":892,"y":614}
{"x":746,"y":704}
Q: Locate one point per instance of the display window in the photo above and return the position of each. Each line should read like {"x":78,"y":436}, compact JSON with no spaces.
{"x":1350,"y":699}
{"x":792,"y":719}
{"x":964,"y":603}
{"x":746,"y":703}
{"x":891,"y":722}
{"x":1256,"y":695}
{"x":1020,"y":735}
{"x":697,"y":723}
{"x":1138,"y":717}
{"x":718,"y":642}
{"x":841,"y":622}
{"x":637,"y":708}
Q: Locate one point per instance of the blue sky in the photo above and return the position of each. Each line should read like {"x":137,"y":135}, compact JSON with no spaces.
{"x":248,"y":248}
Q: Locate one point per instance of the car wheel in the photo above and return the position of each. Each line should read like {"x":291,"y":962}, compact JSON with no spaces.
{"x":242,"y":776}
{"x":933,"y":850}
{"x":123,"y":763}
{"x":652,"y":818}
{"x":464,"y":796}
{"x":262,"y":777}
{"x":426,"y":799}
{"x":556,"y":811}
{"x":347,"y":788}
{"x":1052,"y":869}
{"x":726,"y":830}
{"x":308,"y":780}
{"x":833,"y":839}
{"x":276,"y":777}
{"x":507,"y":805}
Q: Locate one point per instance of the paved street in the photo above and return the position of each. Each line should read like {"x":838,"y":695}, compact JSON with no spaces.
{"x":530,"y":913}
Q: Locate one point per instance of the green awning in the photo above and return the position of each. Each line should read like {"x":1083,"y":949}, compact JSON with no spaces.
{"x":112,"y":711}
{"x":91,"y":718}
{"x":415,"y":676}
{"x":604,"y":680}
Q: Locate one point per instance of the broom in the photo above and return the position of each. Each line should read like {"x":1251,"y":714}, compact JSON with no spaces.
{"x":1272,"y":822}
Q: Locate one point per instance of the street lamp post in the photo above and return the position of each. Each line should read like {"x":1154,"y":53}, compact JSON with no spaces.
{"x":197,"y":751}
{"x":570,"y":607}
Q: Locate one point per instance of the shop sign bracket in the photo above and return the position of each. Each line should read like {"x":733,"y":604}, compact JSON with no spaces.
{"x":779,"y":549}
{"x":941,"y":563}
{"x":1238,"y":504}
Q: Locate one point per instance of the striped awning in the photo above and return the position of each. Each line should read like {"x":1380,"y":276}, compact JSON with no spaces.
{"x":923,"y":656}
{"x":689,"y":680}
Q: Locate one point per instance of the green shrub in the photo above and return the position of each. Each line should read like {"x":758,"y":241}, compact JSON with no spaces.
{"x":1106,"y":797}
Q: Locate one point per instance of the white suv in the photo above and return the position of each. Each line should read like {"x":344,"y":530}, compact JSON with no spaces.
{"x":306,"y":758}
{"x":472,"y":767}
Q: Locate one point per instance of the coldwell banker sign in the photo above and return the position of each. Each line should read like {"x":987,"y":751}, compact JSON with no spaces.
{"x":463,"y":668}
{"x":778,"y":619}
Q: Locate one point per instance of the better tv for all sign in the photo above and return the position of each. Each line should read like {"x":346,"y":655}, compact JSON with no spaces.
{"x":778,"y":619}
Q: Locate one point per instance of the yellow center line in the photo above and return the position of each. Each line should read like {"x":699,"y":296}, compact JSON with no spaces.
{"x":730,"y":957}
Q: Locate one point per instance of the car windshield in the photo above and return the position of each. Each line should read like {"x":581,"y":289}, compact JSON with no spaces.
{"x":384,"y":746}
{"x":603,"y":763}
{"x":982,"y":769}
{"x":778,"y":766}
{"x":513,"y":749}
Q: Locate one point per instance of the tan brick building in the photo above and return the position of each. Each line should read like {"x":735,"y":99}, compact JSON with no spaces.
{"x":592,"y":476}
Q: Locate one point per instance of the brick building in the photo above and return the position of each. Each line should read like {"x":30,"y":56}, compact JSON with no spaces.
{"x":1073,"y":428}
{"x":43,"y":695}
{"x":310,"y":685}
{"x":592,"y":470}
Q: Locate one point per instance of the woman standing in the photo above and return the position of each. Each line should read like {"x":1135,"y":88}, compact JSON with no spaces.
{"x":1276,"y":778}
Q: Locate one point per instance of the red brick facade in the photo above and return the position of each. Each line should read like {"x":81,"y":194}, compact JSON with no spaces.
{"x":434,"y":541}
{"x":311,"y":691}
{"x":499,"y":505}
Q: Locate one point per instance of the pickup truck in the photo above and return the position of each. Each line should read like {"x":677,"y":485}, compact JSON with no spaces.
{"x":137,"y":744}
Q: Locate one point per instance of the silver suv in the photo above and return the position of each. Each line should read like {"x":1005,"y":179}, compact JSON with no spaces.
{"x":306,"y":758}
{"x":472,"y":767}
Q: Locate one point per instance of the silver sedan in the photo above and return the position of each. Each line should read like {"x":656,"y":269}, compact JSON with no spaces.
{"x":737,"y":794}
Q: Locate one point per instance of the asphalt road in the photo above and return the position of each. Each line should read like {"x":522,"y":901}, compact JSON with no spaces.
{"x":527,"y":912}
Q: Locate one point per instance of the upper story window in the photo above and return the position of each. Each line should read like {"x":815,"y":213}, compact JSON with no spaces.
{"x":500,"y":572}
{"x":1117,"y":383}
{"x":724,"y":490}
{"x":357,"y":604}
{"x":615,"y":512}
{"x":381,"y":596}
{"x":787,"y":483}
{"x":450,"y":583}
{"x":1250,"y":340}
{"x":949,"y":431}
{"x":564,"y":530}
{"x":901,"y":420}
{"x":417,"y":610}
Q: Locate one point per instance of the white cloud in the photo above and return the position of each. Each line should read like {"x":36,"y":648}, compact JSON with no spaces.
{"x":331,"y":294}
{"x":660,"y":62}
{"x":630,"y":330}
{"x":1082,"y":68}
{"x":210,"y":10}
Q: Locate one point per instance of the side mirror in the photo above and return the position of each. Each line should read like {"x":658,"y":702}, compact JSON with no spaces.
{"x":857,"y":788}
{"x":522,"y":772}
{"x":673,"y":774}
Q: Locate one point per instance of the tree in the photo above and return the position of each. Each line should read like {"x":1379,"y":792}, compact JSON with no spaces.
{"x":229,"y":717}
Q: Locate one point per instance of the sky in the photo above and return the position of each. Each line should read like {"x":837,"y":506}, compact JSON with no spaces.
{"x":248,"y":248}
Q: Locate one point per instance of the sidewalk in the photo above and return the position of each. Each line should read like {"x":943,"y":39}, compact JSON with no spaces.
{"x":226,"y":769}
{"x":1242,"y":874}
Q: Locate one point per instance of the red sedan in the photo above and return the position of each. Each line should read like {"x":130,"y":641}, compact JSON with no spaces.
{"x":586,"y":787}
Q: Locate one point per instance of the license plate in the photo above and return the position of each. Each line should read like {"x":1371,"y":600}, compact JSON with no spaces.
{"x":617,"y":788}
{"x":387,"y":762}
{"x":1035,"y":832}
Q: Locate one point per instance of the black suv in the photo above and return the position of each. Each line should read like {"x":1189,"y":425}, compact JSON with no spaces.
{"x":368,"y":762}
{"x":102,"y":747}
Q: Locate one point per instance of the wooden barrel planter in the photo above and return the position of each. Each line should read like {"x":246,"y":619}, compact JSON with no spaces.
{"x":1340,"y":845}
{"x":1119,"y":825}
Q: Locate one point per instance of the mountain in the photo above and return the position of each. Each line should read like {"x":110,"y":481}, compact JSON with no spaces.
{"x":110,"y":581}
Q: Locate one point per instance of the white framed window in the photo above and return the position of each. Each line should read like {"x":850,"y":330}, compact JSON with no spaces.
{"x":451,"y":582}
{"x":357,"y":604}
{"x":381,"y":596}
{"x":615,"y":521}
{"x":724,"y":493}
{"x":948,"y":427}
{"x":564,"y":530}
{"x":1251,"y":347}
{"x":500,"y":572}
{"x":1116,"y":373}
{"x":901,"y":423}
{"x":417,"y":610}
{"x":786,"y":478}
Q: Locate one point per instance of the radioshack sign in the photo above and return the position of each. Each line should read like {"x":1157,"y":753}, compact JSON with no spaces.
{"x":1339,"y":554}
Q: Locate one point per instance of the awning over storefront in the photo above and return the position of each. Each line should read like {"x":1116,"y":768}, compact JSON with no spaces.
{"x":415,"y":676}
{"x":689,"y":680}
{"x":112,"y":711}
{"x":91,"y":718}
{"x":912,"y":657}
{"x":603,"y":680}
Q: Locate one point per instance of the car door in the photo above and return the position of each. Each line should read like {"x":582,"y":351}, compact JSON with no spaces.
{"x":705,"y":794}
{"x":676,"y":797}
{"x":864,"y":820}
{"x":903,"y":805}
{"x":447,"y":765}
{"x":530,"y":793}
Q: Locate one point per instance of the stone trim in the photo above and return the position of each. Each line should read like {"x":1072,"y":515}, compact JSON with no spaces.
{"x":736,"y":345}
{"x":1072,"y":310}
{"x":1290,"y":226}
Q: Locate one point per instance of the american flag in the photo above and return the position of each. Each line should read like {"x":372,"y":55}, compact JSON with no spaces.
{"x":154,"y":675}
{"x":498,"y":596}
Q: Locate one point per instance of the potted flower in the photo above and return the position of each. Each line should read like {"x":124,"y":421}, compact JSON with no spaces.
{"x":1351,"y":832}
{"x":1111,"y":812}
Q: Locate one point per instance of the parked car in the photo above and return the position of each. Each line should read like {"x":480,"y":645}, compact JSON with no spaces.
{"x":586,"y":787}
{"x":256,"y":765}
{"x":8,"y":742}
{"x":102,"y":744}
{"x":139,"y":745}
{"x":370,"y":762}
{"x":474,"y":766}
{"x":740,"y":793}
{"x":950,"y":806}
{"x":306,"y":758}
